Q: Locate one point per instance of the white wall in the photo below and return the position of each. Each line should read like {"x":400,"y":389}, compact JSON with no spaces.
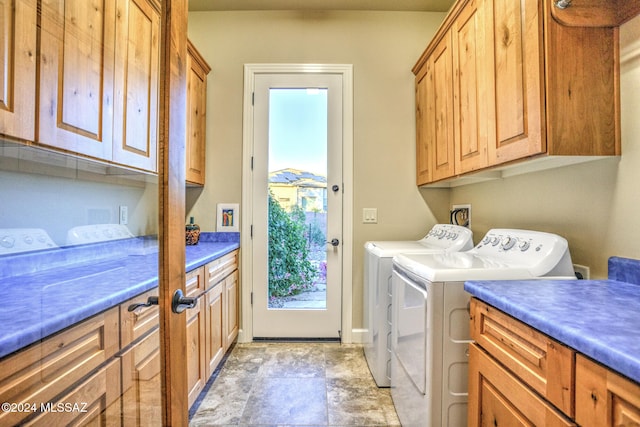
{"x":383,"y":47}
{"x":594,"y":205}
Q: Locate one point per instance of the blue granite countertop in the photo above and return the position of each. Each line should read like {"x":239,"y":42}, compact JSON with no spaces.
{"x":48,"y":291}
{"x":598,"y":318}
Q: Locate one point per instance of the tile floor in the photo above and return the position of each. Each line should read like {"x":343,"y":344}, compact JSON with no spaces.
{"x":294,"y":384}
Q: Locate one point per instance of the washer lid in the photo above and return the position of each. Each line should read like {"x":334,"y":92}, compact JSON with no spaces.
{"x":458,"y":266}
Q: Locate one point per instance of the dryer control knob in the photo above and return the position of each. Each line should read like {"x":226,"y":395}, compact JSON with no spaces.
{"x":508,"y":243}
{"x":495,"y":241}
{"x":524,"y":245}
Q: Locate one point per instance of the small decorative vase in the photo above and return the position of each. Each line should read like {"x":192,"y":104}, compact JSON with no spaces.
{"x":192,"y":232}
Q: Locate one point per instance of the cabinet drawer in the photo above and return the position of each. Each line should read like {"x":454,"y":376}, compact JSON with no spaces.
{"x":221,"y":268}
{"x":93,"y":401}
{"x":44,"y":370}
{"x":604,"y":398}
{"x":544,"y":364}
{"x":502,"y":400}
{"x":139,"y":322}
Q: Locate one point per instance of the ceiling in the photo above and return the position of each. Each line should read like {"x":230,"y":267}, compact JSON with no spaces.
{"x":395,"y":5}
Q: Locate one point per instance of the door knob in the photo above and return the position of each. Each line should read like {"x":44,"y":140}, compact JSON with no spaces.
{"x":334,"y":242}
{"x":335,"y":188}
{"x":180,"y":303}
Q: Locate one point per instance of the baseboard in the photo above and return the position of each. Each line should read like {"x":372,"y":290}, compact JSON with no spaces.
{"x":358,"y":336}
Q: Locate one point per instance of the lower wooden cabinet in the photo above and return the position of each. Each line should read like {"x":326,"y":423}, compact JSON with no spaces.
{"x":604,"y":398}
{"x":212,"y":325}
{"x":109,"y":364}
{"x":44,"y":370}
{"x":520,"y":377}
{"x":498,"y":398}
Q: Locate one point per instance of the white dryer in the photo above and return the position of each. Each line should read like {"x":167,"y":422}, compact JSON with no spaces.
{"x":430,"y":321}
{"x":377,"y":289}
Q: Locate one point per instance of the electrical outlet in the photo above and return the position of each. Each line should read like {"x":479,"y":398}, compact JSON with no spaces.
{"x":123,"y":218}
{"x":582,"y":271}
{"x":460,"y":215}
{"x":370,"y":215}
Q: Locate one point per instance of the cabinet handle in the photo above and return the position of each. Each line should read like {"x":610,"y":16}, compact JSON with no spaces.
{"x":150,"y":301}
{"x":563,"y":4}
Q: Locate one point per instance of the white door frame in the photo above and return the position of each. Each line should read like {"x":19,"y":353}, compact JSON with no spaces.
{"x":246,"y":265}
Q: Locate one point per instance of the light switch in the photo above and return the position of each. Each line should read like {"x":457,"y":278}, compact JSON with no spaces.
{"x":370,"y":215}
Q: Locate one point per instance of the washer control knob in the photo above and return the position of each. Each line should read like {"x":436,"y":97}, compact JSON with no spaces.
{"x":508,"y":243}
{"x":453,"y":236}
{"x":524,"y":245}
{"x":486,"y":240}
{"x":7,"y":241}
{"x":495,"y":241}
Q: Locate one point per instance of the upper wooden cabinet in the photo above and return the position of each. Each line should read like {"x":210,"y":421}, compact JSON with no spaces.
{"x":18,"y":68}
{"x":197,"y":70}
{"x":137,"y":81}
{"x":76,"y":76}
{"x":469,"y":105}
{"x":99,"y":79}
{"x":524,"y":86}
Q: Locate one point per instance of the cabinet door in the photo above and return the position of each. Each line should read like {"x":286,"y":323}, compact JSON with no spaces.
{"x":425,"y":124}
{"x":582,"y":87}
{"x":196,"y":328}
{"x":197,"y":70}
{"x":442,"y":146}
{"x":135,"y":134}
{"x":231,"y":317}
{"x":514,"y":80}
{"x":469,"y":99}
{"x":214,"y":336}
{"x":18,"y":68}
{"x":76,"y":76}
{"x":604,"y":398}
{"x":497,"y":398}
{"x":141,"y":382}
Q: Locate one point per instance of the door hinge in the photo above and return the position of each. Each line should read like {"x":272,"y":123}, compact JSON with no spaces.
{"x":251,"y":231}
{"x":251,"y":162}
{"x":253,"y":98}
{"x":251,"y":297}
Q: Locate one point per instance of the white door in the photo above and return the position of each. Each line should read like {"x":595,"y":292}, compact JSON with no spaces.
{"x":297,"y":205}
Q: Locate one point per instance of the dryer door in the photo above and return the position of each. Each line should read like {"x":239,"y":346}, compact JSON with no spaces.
{"x":411,"y":329}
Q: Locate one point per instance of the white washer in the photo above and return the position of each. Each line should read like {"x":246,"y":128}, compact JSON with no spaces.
{"x":430,"y":321}
{"x":377,"y":289}
{"x":17,"y":240}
